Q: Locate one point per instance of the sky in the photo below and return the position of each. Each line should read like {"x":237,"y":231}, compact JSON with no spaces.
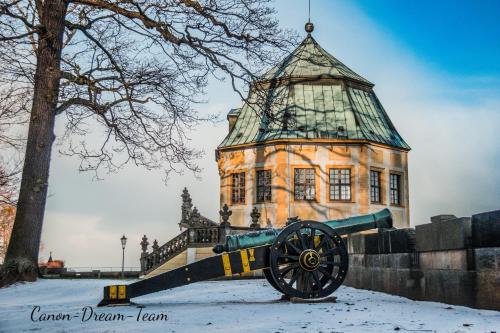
{"x":457,"y":36}
{"x":436,"y":71}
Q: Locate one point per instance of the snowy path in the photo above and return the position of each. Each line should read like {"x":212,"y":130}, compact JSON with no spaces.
{"x":230,"y":306}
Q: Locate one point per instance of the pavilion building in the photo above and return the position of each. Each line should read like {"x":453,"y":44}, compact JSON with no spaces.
{"x":312,"y":140}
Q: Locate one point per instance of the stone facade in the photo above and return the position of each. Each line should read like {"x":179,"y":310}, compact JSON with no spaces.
{"x":283,"y":158}
{"x":312,"y":112}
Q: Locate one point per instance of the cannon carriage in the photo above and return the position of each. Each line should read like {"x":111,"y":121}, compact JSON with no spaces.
{"x":306,"y":259}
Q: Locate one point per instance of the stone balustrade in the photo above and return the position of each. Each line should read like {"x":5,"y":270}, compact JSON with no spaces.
{"x":199,"y":232}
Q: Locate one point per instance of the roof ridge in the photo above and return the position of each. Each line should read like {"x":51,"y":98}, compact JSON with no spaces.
{"x":334,"y":61}
{"x":281,"y":64}
{"x":288,"y":66}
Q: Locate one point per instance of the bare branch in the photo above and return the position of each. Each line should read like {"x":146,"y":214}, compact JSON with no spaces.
{"x":136,"y":68}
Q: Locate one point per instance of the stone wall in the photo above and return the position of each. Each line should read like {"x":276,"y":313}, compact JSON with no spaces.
{"x":451,"y":260}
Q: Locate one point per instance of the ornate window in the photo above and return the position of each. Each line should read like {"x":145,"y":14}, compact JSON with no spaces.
{"x":238,"y":188}
{"x":395,"y":188}
{"x":304,"y":184}
{"x":340,"y":184}
{"x":263,"y":185}
{"x":375,"y":186}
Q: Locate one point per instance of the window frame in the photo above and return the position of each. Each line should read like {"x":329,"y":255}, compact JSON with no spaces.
{"x":399,"y":188}
{"x":314,"y":185}
{"x":257,"y":186}
{"x":238,"y":188}
{"x":340,"y":185}
{"x":376,"y":187}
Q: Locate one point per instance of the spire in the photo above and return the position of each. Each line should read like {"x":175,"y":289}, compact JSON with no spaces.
{"x":309,"y":12}
{"x":309,"y":26}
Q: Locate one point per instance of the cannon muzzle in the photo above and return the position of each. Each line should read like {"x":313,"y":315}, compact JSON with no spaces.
{"x":381,"y":219}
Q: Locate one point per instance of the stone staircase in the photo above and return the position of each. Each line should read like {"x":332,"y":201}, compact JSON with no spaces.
{"x":192,"y":237}
{"x":198,"y":234}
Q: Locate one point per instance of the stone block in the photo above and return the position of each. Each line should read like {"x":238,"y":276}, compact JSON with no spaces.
{"x":427,"y":237}
{"x":445,"y":234}
{"x":403,"y":278}
{"x":486,"y":229}
{"x":454,"y":233}
{"x":415,"y":284}
{"x":385,"y":261}
{"x":442,"y":217}
{"x":435,"y":286}
{"x":397,"y":240}
{"x":487,"y":258}
{"x":356,"y":260}
{"x":354,"y":275}
{"x":377,"y":280}
{"x":443,"y":260}
{"x":354,"y":243}
{"x":488,"y":290}
{"x":368,"y":261}
{"x":459,"y":287}
{"x":399,"y":260}
{"x":371,"y":244}
{"x":363,"y":243}
{"x":366,"y":278}
{"x":386,"y":279}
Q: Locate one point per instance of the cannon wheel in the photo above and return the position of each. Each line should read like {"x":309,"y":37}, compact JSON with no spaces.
{"x":269,"y":277}
{"x":308,"y":259}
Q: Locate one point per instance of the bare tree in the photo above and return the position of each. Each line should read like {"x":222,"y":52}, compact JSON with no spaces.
{"x":125,"y":74}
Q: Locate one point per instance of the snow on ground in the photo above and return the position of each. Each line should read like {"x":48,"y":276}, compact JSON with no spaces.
{"x":229,"y":306}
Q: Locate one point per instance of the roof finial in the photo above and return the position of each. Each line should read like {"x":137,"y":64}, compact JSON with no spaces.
{"x":309,"y":26}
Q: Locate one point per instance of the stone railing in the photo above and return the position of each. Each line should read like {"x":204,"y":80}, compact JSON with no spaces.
{"x":199,"y":232}
{"x":203,"y":236}
{"x":164,"y":253}
{"x":191,"y":237}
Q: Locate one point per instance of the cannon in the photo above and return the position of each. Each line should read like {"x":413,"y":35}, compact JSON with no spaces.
{"x":306,"y":259}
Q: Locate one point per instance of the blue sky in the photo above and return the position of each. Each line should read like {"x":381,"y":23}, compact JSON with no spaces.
{"x":461,"y":37}
{"x":435,"y":72}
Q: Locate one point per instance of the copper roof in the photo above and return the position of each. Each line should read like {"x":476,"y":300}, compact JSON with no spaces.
{"x":316,"y":97}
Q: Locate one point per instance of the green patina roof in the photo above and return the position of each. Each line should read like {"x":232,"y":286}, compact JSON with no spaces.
{"x":310,"y":59}
{"x":344,"y":108}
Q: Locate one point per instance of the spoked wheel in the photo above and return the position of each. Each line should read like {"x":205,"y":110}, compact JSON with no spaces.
{"x":270,"y":279}
{"x":308,"y":259}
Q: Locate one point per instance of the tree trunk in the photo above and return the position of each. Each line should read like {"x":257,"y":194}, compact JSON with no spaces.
{"x":21,"y":262}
